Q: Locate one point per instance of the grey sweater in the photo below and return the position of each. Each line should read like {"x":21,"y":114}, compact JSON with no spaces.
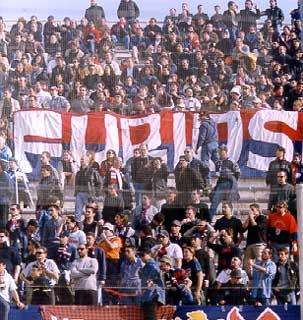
{"x":83,"y":273}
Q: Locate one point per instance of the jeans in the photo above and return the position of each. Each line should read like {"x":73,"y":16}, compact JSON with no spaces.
{"x":124,"y":40}
{"x":4,"y":309}
{"x":91,"y":45}
{"x":81,"y":201}
{"x":209,"y":151}
{"x":139,"y":188}
{"x":233,"y":33}
{"x":218,"y":195}
{"x":284,"y":296}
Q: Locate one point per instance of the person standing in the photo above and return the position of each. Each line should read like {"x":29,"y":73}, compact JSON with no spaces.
{"x":226,"y":188}
{"x":286,"y":280}
{"x":129,"y":10}
{"x":274,"y":14}
{"x":6,"y":193}
{"x":153,"y":292}
{"x":84,"y":274}
{"x":94,"y":13}
{"x":8,"y":291}
{"x":263,"y":273}
{"x":87,"y":185}
{"x":255,"y":225}
{"x":208,"y":139}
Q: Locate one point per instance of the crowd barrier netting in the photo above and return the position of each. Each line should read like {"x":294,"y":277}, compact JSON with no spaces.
{"x":120,"y":312}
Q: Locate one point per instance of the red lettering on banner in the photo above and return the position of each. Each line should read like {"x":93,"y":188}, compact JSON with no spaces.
{"x":31,"y":138}
{"x":66,"y":119}
{"x":189,"y":123}
{"x":139,"y":134}
{"x":246,"y":117}
{"x":278,"y":126}
{"x":167,"y":127}
{"x":95,"y":129}
{"x":234,"y":314}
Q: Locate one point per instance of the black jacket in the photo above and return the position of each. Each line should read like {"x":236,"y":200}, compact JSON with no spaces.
{"x":94,"y":13}
{"x":275,"y":166}
{"x":128,"y":9}
{"x":88,"y":180}
{"x":292,"y":275}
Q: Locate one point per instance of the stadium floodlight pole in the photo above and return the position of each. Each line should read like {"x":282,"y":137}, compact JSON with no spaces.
{"x":299,"y":192}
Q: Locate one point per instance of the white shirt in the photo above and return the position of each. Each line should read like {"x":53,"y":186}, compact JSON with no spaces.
{"x":174,"y":251}
{"x":76,"y":238}
{"x":192,"y":104}
{"x":8,"y":287}
{"x":50,"y":265}
{"x":43,"y":97}
{"x":224,"y":276}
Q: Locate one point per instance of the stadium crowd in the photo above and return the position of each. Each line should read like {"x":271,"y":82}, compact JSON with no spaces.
{"x":131,"y":234}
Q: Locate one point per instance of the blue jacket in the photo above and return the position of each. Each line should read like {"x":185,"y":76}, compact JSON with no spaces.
{"x":6,"y":188}
{"x":266,"y":278}
{"x":207,"y":132}
{"x":156,"y":293}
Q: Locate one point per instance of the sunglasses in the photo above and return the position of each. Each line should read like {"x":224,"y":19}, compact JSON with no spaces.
{"x":81,"y":249}
{"x":40,"y":252}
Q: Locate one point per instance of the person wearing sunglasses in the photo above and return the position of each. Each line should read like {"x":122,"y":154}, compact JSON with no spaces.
{"x":84,"y":275}
{"x":40,"y":277}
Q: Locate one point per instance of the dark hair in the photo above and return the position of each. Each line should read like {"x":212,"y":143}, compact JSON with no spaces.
{"x":91,"y":234}
{"x":2,"y":261}
{"x":255,"y":205}
{"x":283,"y":249}
{"x":4,"y":231}
{"x":146,"y":229}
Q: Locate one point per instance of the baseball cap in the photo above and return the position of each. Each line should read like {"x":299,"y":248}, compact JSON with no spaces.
{"x":166,"y":259}
{"x":163,"y":233}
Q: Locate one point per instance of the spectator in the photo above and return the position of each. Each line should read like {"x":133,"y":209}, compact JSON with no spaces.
{"x":282,"y":229}
{"x":256,"y":225}
{"x":138,"y":170}
{"x":286,"y":278}
{"x":280,"y":163}
{"x":208,"y":139}
{"x":248,"y":17}
{"x":282,"y":191}
{"x":87,"y":185}
{"x":6,"y":194}
{"x":82,"y":103}
{"x":165,"y":247}
{"x":129,"y":10}
{"x":113,"y":204}
{"x":187,"y":180}
{"x":226,"y":187}
{"x":225,"y":250}
{"x":120,"y":32}
{"x":48,"y":186}
{"x":176,"y":282}
{"x":94,"y":13}
{"x":152,"y":283}
{"x":9,"y":292}
{"x":193,"y":267}
{"x":263,"y":274}
{"x":111,"y":244}
{"x":52,"y":228}
{"x":84,"y":273}
{"x":76,"y":236}
{"x":10,"y":255}
{"x":144,"y":213}
{"x":130,"y":274}
{"x":41,"y":274}
{"x":234,"y":292}
{"x":230,"y":223}
{"x":274,"y":14}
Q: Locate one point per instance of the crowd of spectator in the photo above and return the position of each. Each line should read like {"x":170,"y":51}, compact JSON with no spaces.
{"x":130,"y":229}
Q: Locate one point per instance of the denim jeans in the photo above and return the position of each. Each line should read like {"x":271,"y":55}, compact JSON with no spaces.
{"x":139,"y":188}
{"x":4,"y":309}
{"x":209,"y":151}
{"x":124,"y":40}
{"x":81,"y":201}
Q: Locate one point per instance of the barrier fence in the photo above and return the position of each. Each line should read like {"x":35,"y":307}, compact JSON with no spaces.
{"x":166,"y":312}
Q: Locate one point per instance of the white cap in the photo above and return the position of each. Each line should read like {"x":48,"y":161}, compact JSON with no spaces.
{"x":236,"y":89}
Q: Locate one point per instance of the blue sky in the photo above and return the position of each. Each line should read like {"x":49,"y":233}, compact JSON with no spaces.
{"x":12,"y":9}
